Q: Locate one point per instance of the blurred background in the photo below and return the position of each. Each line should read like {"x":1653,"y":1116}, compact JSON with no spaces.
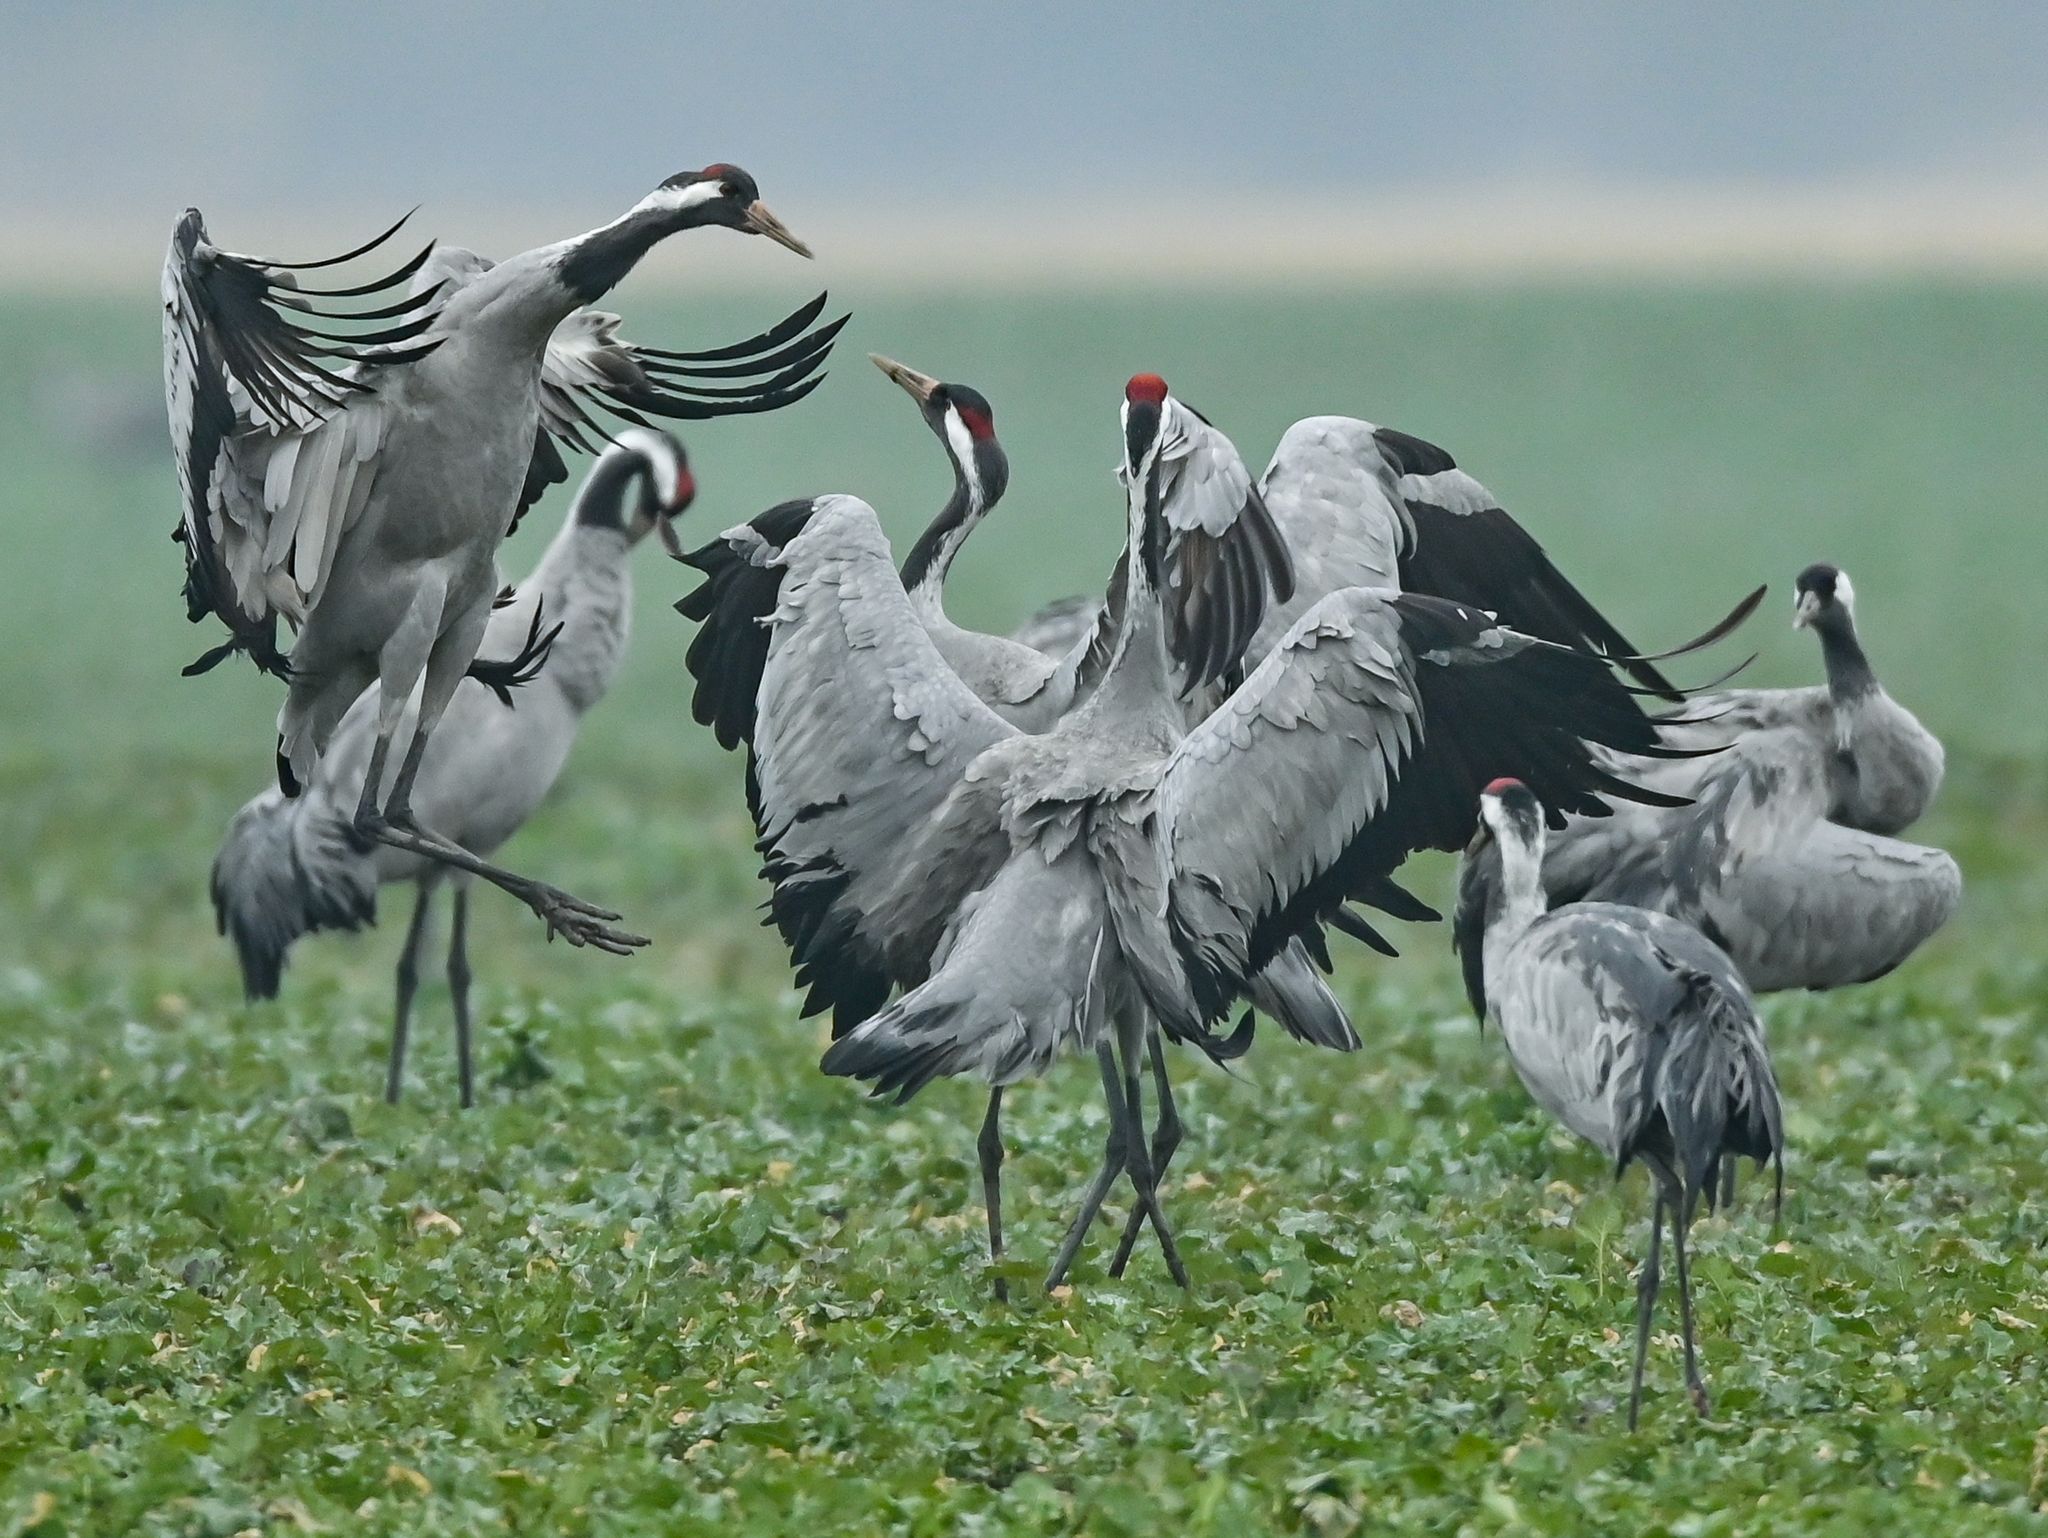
{"x":1702,"y":294}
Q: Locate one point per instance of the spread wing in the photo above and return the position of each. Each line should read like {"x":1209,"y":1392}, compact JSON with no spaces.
{"x":1466,"y":547}
{"x":859,"y":731}
{"x":245,"y":375}
{"x":1335,"y":498}
{"x":1365,"y":736}
{"x":592,"y":375}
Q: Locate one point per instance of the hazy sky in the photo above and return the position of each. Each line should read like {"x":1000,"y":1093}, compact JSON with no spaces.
{"x":119,"y":114}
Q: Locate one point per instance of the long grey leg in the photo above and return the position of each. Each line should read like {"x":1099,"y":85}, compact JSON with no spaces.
{"x":408,"y":984}
{"x":990,"y":1147}
{"x":1143,"y":1179}
{"x":1728,"y":1163}
{"x":578,"y":922}
{"x":1646,"y":1299}
{"x":458,"y":988}
{"x":1113,"y":1157}
{"x":1166,"y":1137}
{"x":1681,"y":1219}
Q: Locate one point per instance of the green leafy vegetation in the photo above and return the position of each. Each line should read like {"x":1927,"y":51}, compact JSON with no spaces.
{"x":667,"y":1278}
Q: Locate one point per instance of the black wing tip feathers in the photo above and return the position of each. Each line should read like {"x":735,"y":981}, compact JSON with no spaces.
{"x":1411,"y":455}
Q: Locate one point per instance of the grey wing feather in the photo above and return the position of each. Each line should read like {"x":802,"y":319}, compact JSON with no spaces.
{"x":1364,"y":737}
{"x":1226,"y":560}
{"x":244,"y":374}
{"x":1061,"y":625}
{"x":1333,"y":496}
{"x":1799,"y":901}
{"x":861,"y":733}
{"x":1638,"y":1033}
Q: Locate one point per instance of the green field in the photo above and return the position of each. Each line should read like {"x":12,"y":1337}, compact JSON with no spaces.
{"x":667,"y":1277}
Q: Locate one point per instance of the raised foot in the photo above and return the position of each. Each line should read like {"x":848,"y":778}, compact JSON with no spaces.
{"x":579,"y":922}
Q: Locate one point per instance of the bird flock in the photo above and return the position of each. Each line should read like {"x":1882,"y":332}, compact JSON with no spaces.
{"x":1145,"y":812}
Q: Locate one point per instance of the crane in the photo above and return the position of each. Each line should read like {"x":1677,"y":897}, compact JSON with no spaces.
{"x":289,"y":866}
{"x":359,"y":485}
{"x":1026,"y":689}
{"x":1784,"y":849}
{"x":1634,"y":1030}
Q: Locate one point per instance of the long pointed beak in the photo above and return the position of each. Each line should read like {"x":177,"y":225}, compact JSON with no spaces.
{"x":1803,"y":612}
{"x":760,"y":221}
{"x":918,"y":386}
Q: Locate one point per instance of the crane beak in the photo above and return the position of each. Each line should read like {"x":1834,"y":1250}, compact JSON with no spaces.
{"x":918,"y":386}
{"x":1804,"y":611}
{"x":762,"y":222}
{"x":665,"y":520}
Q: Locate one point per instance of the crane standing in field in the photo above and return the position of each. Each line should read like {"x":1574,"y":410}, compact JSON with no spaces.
{"x":360,"y":487}
{"x":289,"y":866}
{"x":1218,"y":528}
{"x":1633,"y":1029}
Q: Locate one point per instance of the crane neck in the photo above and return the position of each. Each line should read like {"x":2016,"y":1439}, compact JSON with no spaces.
{"x":1522,"y":901}
{"x":1851,"y":679}
{"x":930,"y":560}
{"x":527,"y":296}
{"x":585,"y":584}
{"x":1139,"y":673}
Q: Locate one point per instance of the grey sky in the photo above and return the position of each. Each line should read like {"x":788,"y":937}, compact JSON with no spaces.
{"x":118,"y":113}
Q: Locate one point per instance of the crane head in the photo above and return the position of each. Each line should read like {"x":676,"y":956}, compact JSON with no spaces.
{"x":722,"y":194}
{"x":964,"y":422}
{"x":1144,"y":406}
{"x":1822,"y":595}
{"x":1510,"y":812}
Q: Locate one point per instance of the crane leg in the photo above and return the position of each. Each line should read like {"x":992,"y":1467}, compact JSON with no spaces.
{"x":408,"y":984}
{"x":1646,"y":1300}
{"x":1728,"y":1163}
{"x":1166,"y":1138}
{"x":458,"y":989}
{"x":394,"y":824}
{"x":990,"y":1146}
{"x":1113,"y":1159}
{"x":1681,"y":1219}
{"x":1144,"y":1179}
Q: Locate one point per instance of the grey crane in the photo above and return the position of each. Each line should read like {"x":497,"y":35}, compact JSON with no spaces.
{"x":290,"y":866}
{"x":359,"y":485}
{"x":1631,"y":1028}
{"x":729,"y":656}
{"x":1784,"y":854}
{"x":1076,"y":885}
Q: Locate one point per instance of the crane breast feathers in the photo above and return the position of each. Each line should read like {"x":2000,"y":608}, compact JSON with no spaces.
{"x":861,"y":733}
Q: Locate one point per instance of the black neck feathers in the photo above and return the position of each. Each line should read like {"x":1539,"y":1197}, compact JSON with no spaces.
{"x":1849,"y":673}
{"x":596,"y":264}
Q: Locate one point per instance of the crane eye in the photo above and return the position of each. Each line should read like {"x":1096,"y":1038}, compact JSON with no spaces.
{"x":728,"y":190}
